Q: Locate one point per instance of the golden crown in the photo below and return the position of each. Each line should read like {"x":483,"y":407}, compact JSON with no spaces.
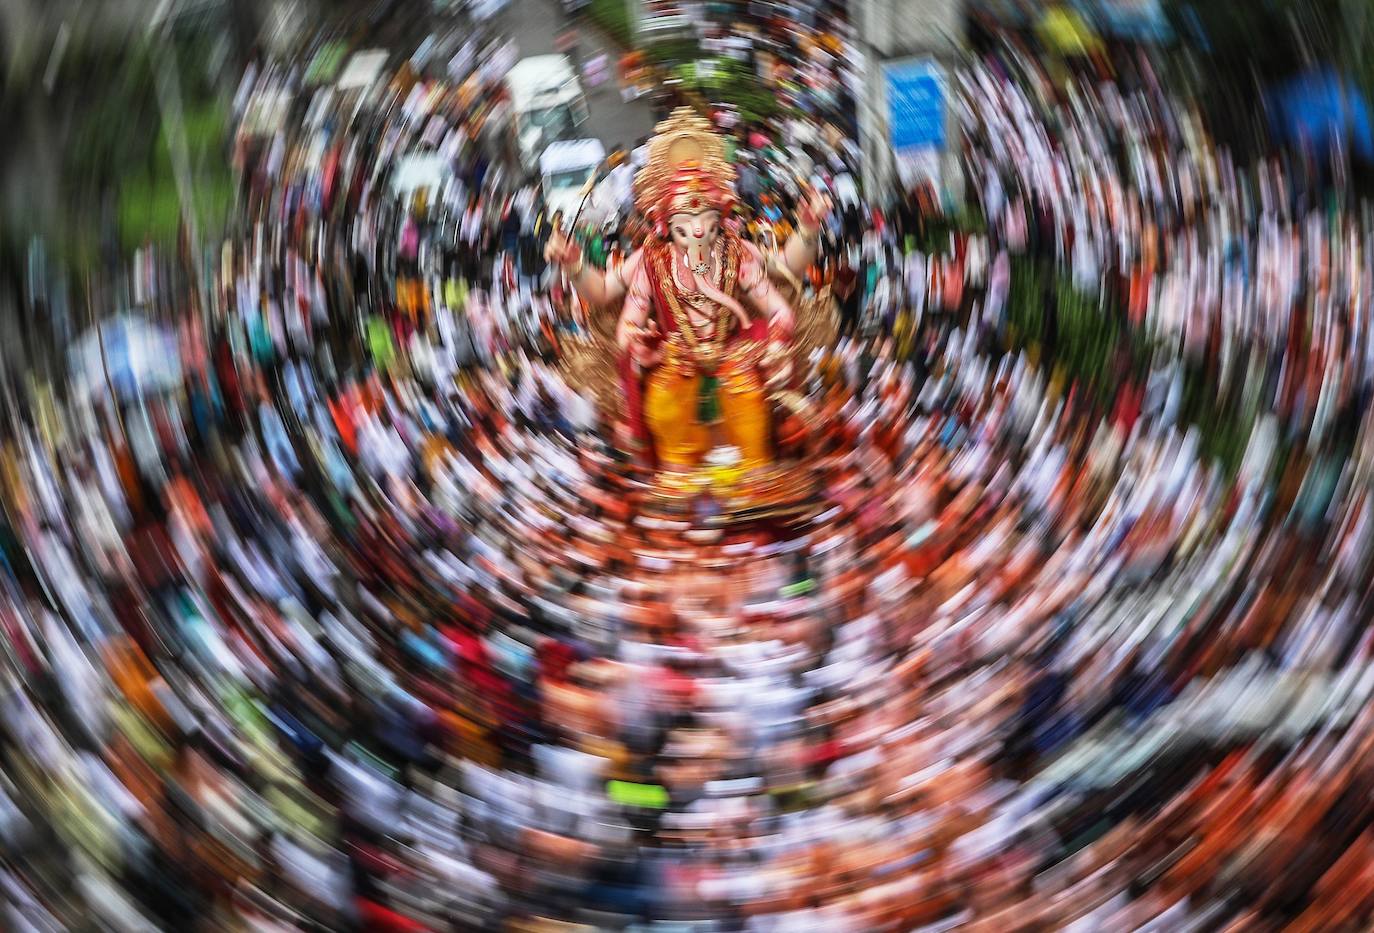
{"x":686,"y":170}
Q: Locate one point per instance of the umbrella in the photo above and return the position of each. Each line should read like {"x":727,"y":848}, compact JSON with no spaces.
{"x":138,"y":356}
{"x":1321,"y":109}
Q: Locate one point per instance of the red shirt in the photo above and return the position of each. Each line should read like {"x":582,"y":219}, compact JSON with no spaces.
{"x":376,"y":917}
{"x":344,"y":424}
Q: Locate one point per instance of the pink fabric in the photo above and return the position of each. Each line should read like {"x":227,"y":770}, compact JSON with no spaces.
{"x":410,"y":238}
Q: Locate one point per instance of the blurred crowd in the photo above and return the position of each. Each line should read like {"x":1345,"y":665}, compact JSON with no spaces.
{"x":362,"y":621}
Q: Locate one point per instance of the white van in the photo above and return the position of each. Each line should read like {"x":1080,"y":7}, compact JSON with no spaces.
{"x":547,"y":100}
{"x":566,"y":167}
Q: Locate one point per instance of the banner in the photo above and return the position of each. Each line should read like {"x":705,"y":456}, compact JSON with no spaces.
{"x":916,"y":104}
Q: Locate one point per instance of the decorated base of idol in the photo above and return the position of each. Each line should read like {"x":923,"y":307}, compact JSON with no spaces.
{"x":722,"y":493}
{"x":690,"y":340}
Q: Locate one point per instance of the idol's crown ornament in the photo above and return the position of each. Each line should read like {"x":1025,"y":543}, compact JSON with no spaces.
{"x":687,"y":171}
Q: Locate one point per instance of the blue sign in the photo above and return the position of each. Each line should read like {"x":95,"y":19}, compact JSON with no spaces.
{"x":916,"y":104}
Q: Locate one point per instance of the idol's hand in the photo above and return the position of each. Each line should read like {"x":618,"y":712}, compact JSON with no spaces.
{"x":646,"y":348}
{"x":776,"y":365}
{"x":782,"y":322}
{"x":562,"y":251}
{"x":646,"y":357}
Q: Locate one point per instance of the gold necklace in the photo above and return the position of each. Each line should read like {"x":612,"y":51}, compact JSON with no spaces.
{"x":707,"y":353}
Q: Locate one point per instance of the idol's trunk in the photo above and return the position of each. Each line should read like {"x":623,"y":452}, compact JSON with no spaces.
{"x":720,"y":298}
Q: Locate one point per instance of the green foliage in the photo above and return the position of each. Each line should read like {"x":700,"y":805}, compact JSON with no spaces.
{"x":1027,"y":301}
{"x":1083,"y":335}
{"x":149,"y":199}
{"x":119,"y":142}
{"x":669,"y":52}
{"x":1089,"y":341}
{"x":732,"y":82}
{"x":150,"y":208}
{"x":325,"y":66}
{"x":116,"y":117}
{"x":614,"y":17}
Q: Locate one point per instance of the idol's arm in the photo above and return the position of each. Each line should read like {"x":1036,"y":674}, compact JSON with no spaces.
{"x":636,"y":332}
{"x":772,"y":264}
{"x":800,"y":250}
{"x":765,"y":297}
{"x":596,"y":287}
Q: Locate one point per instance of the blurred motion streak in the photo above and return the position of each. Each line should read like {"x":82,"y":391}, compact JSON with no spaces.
{"x":339,"y":589}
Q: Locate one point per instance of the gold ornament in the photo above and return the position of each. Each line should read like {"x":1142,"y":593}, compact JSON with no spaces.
{"x":706,"y":352}
{"x":686,"y":165}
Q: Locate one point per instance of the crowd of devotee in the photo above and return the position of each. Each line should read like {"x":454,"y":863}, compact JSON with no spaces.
{"x":362,"y":621}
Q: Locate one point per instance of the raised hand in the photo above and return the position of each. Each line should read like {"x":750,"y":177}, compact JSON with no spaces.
{"x":561,"y":250}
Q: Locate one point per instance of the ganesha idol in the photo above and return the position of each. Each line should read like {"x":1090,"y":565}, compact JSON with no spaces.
{"x":703,"y":327}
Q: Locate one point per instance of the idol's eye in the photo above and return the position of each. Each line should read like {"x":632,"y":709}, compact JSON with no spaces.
{"x":679,"y":231}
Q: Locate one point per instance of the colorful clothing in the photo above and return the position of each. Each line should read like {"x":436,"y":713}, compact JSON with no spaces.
{"x":703,"y":392}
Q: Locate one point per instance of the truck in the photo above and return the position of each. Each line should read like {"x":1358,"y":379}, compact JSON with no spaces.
{"x":547,"y":103}
{"x":566,"y":168}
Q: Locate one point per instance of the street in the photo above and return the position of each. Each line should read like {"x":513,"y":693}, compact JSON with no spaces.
{"x":534,"y":24}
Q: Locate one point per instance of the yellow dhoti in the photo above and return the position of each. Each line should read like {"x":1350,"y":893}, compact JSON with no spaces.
{"x":671,"y":396}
